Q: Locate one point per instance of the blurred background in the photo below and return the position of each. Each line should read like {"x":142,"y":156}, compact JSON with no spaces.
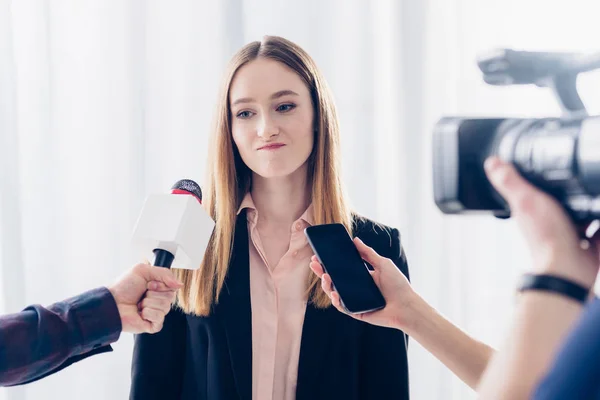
{"x":103,"y":102}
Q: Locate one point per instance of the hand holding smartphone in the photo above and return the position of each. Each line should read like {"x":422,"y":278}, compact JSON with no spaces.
{"x":350,"y":276}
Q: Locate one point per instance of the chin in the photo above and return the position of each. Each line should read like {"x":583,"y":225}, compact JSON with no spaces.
{"x":277,"y":171}
{"x":271,"y":174}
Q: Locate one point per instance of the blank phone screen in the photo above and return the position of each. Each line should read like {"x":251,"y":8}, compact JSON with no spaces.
{"x":349,"y":274}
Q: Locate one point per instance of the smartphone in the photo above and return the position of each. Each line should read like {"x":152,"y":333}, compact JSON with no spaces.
{"x":350,"y":276}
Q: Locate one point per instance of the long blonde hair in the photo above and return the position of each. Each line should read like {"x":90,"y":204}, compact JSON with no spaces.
{"x":228,"y":178}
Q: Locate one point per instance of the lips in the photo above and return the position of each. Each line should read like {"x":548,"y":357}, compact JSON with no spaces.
{"x":272,"y":146}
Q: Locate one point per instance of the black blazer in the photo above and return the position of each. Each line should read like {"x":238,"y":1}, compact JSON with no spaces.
{"x":211,"y":357}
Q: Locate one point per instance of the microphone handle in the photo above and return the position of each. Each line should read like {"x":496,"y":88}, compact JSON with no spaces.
{"x":163,"y":258}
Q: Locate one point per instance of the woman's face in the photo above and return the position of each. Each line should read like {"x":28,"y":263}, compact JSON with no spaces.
{"x":272,"y":118}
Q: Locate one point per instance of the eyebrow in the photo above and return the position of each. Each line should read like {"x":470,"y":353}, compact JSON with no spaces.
{"x":274,"y":96}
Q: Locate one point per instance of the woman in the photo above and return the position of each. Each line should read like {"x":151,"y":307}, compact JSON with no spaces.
{"x":252,"y":322}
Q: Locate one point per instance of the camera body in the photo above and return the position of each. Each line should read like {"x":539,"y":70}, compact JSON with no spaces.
{"x":558,"y":155}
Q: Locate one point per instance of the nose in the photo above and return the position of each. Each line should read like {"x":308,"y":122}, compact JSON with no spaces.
{"x":267,"y":128}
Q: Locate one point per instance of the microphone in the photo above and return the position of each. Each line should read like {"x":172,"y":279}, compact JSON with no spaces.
{"x":164,"y":258}
{"x":174,"y":227}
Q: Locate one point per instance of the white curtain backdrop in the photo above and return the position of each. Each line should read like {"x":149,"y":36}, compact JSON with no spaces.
{"x":103,"y":102}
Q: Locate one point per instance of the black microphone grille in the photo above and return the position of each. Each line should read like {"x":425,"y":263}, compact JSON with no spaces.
{"x":189,"y":186}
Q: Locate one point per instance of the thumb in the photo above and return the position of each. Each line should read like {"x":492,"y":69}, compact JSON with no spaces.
{"x":159,"y":274}
{"x":368,"y":254}
{"x":520,"y":195}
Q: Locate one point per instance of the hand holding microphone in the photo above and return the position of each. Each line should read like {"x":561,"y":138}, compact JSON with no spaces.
{"x":176,"y":229}
{"x":143,"y":297}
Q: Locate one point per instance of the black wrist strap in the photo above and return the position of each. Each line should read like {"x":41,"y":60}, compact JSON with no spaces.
{"x":551,"y":283}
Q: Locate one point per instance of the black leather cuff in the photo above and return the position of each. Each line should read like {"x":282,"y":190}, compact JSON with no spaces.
{"x":555,"y":284}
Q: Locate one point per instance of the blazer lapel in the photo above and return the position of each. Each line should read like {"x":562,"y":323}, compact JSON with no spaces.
{"x":235,"y":310}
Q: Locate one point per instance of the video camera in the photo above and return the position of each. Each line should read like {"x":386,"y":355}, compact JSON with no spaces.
{"x":558,"y":155}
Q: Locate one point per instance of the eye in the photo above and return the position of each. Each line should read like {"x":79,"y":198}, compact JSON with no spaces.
{"x":244,"y":114}
{"x":286,"y":107}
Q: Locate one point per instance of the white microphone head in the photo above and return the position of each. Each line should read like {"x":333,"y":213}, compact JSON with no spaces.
{"x":176,"y":223}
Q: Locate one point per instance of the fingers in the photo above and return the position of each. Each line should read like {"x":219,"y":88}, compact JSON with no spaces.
{"x":164,"y":275}
{"x":521,"y":196}
{"x":316,"y":266}
{"x":160,"y":302}
{"x":368,"y":254}
{"x":153,"y":309}
{"x":335,"y":301}
{"x":165,"y":296}
{"x":539,"y":215}
{"x":553,"y":240}
{"x":156,"y":319}
{"x":158,"y":287}
{"x":326,"y":284}
{"x":327,"y":287}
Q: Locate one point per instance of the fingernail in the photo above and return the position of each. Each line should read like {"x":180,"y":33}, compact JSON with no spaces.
{"x":492,"y":163}
{"x":153,"y":285}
